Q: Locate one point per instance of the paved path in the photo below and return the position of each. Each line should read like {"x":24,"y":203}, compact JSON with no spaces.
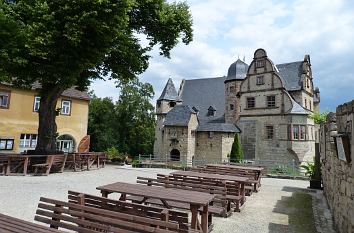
{"x":20,"y":195}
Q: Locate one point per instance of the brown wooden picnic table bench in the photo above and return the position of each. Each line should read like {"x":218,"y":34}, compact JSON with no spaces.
{"x":235,"y":185}
{"x":18,"y":164}
{"x":10,"y":224}
{"x":254,"y":173}
{"x":86,"y":160}
{"x":195,"y":200}
{"x":151,"y":212}
{"x":86,"y":219}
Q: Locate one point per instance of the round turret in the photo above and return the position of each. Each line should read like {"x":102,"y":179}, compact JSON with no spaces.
{"x":237,"y":71}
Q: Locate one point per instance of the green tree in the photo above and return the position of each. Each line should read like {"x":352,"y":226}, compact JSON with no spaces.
{"x":236,"y":154}
{"x":101,"y":122}
{"x":60,"y":44}
{"x":319,"y":117}
{"x":136,"y":118}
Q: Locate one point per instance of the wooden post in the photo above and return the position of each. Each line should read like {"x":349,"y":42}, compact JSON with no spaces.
{"x":205,"y":219}
{"x":25,"y":165}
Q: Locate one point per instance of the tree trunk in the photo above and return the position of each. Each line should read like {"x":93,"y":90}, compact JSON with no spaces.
{"x":47,"y":128}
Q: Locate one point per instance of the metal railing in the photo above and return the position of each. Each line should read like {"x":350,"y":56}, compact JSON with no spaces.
{"x":272,"y":167}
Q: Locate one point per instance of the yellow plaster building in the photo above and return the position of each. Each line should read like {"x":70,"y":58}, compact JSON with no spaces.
{"x":19,"y":119}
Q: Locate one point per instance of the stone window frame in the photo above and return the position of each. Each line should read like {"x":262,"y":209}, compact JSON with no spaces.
{"x":249,"y":100}
{"x":210,"y":134}
{"x":7,"y":94}
{"x":301,"y":132}
{"x":269,"y":132}
{"x":4,"y":143}
{"x":271,"y":103}
{"x":260,"y":80}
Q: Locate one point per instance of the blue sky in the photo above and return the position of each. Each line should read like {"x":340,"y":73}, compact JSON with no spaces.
{"x":287,"y":30}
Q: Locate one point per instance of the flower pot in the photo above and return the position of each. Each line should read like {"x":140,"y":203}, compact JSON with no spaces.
{"x":315,"y":184}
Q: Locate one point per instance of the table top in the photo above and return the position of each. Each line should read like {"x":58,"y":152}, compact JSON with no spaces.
{"x":167,"y":194}
{"x":26,"y":156}
{"x":211,"y":176}
{"x":236,"y":166}
{"x":8,"y":222}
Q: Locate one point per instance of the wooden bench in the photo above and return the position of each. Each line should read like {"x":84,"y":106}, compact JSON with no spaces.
{"x":181,"y":218}
{"x":53,"y":163}
{"x":10,"y":224}
{"x":221,"y":205}
{"x":3,"y":164}
{"x":87,"y":219}
{"x":253,"y":185}
{"x":231,"y":190}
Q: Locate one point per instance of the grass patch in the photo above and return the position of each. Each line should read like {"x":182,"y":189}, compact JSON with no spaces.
{"x":299,"y":209}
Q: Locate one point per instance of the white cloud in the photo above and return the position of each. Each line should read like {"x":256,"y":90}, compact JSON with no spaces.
{"x":224,"y":29}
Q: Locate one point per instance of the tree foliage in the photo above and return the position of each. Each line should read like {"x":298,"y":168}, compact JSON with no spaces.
{"x":127,"y":125}
{"x":319,"y":117}
{"x":60,"y":44}
{"x":236,"y":154}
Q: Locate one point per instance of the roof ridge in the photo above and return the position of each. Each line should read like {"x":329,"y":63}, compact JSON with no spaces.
{"x":289,"y":63}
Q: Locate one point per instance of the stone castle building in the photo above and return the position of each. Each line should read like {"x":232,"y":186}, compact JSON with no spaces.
{"x":267,"y":104}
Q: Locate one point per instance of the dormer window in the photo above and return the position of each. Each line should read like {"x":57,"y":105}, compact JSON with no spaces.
{"x":211,"y":111}
{"x":259,"y":63}
{"x":195,"y":109}
{"x":172,"y":104}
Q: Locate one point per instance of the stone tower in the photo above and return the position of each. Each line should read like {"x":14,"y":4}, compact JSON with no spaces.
{"x":168,"y":99}
{"x":235,"y":75}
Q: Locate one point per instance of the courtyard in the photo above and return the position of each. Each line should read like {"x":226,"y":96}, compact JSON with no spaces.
{"x":281,"y":205}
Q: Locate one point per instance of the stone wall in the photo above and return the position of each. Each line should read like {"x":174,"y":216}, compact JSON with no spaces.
{"x":338,"y":174}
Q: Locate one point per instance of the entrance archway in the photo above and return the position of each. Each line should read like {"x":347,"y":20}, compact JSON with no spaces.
{"x":66,"y":143}
{"x":175,"y":155}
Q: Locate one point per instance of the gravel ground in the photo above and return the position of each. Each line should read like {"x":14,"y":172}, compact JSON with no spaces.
{"x":20,"y":195}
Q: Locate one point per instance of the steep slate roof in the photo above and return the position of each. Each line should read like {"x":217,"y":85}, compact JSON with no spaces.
{"x":297,"y":108}
{"x":71,"y":92}
{"x":237,"y":71}
{"x":218,"y":127}
{"x":203,"y":93}
{"x":179,"y":116}
{"x":169,"y":92}
{"x":291,"y":75}
{"x":76,"y":94}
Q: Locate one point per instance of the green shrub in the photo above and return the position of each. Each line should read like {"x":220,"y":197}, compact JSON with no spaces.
{"x":136,"y":163}
{"x":236,"y":155}
{"x":114,"y":155}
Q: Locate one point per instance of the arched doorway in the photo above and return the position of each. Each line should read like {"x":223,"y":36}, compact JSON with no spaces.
{"x":66,"y":143}
{"x":175,"y":155}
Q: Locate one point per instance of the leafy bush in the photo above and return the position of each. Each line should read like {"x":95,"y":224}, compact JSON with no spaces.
{"x":136,"y":163}
{"x":114,"y":155}
{"x":309,"y":169}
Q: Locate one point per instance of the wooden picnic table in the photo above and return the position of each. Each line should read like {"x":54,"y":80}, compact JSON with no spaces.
{"x":10,"y":224}
{"x":11,"y":158}
{"x":258,"y":170}
{"x":238,"y":179}
{"x":88,"y":159}
{"x":196,"y":200}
